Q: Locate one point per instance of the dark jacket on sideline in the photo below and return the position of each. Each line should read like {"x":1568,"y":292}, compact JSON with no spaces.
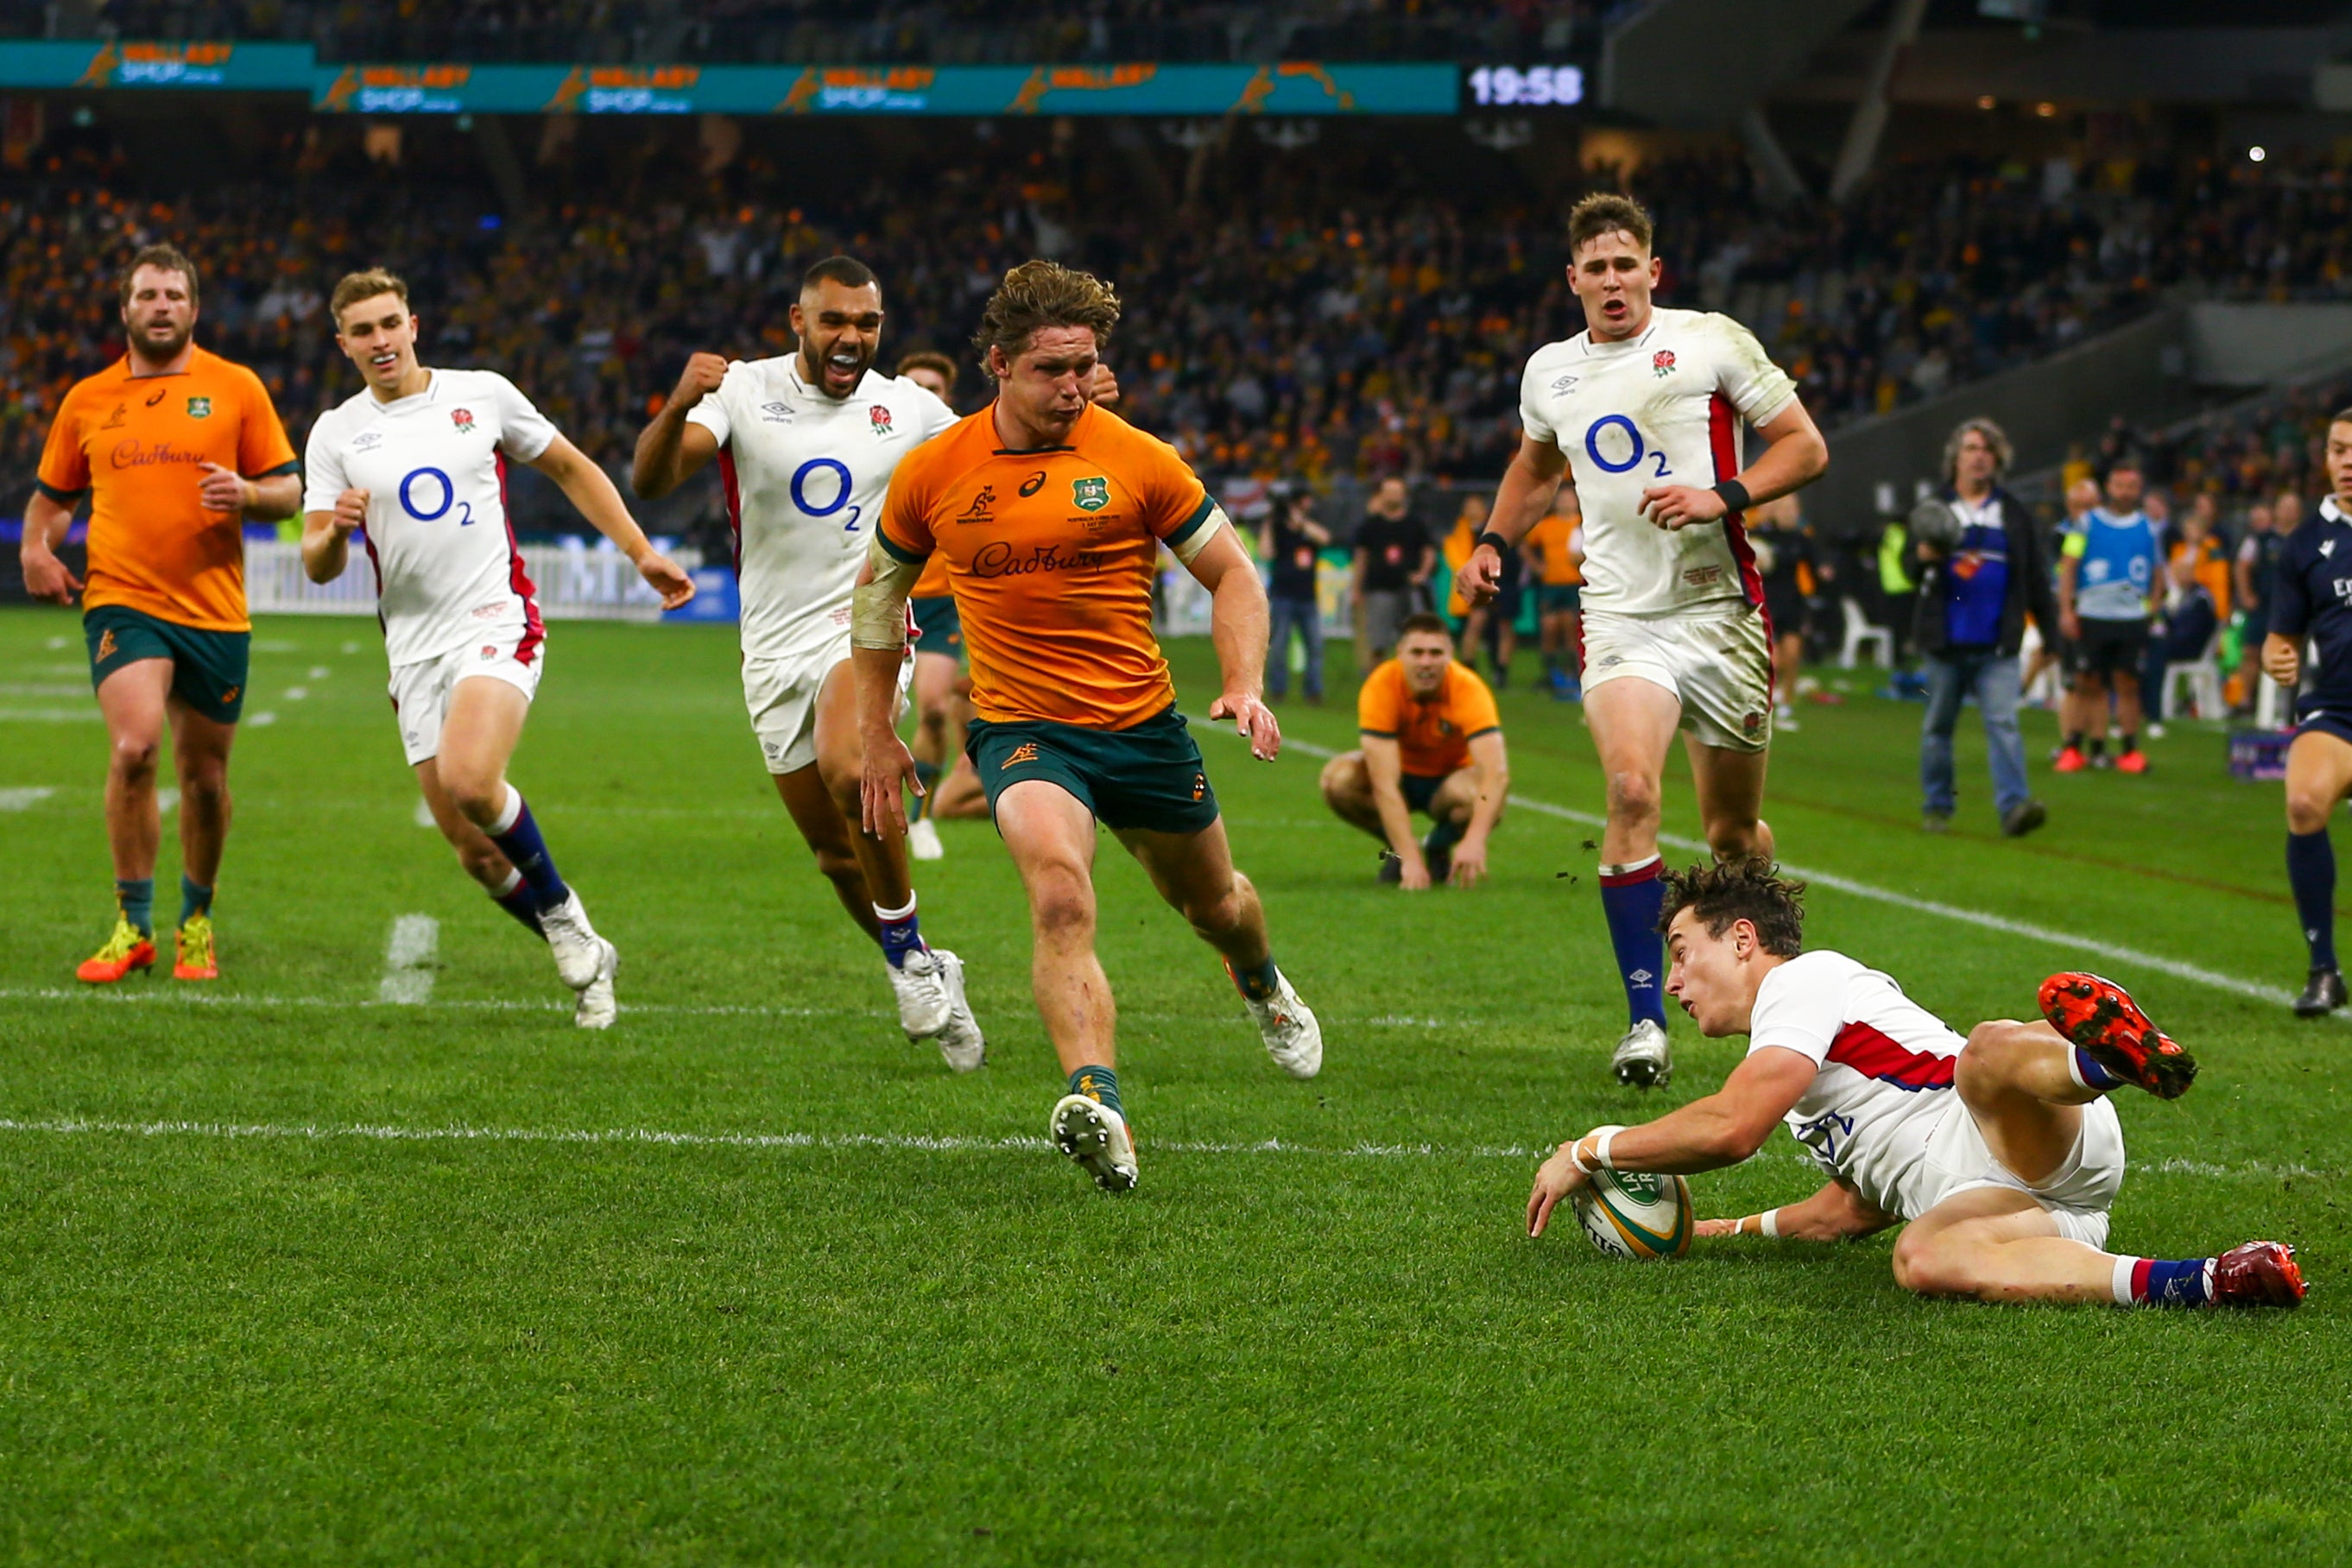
{"x":2032,"y":585}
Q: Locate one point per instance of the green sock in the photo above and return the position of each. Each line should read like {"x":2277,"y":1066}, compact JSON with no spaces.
{"x":1444,"y":835}
{"x":135,"y":895}
{"x":1097,"y":1084}
{"x":927,"y":775}
{"x":195,"y":899}
{"x":1258,"y":983}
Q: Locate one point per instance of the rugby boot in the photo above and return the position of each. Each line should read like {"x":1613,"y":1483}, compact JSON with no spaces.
{"x":2101,"y":1017}
{"x":2132,"y":761}
{"x":193,"y":954}
{"x":959,"y":1039}
{"x":2321,"y":994}
{"x":1293,"y":1038}
{"x":2070,"y":759}
{"x":1642,"y":1059}
{"x":595,"y":1007}
{"x":2257,"y":1274}
{"x":1097,"y":1137}
{"x":128,"y":949}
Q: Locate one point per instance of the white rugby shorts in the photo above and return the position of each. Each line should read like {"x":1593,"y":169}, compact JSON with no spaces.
{"x":780,"y":695}
{"x":1954,"y":1159}
{"x":420,"y":691}
{"x":1718,"y":663}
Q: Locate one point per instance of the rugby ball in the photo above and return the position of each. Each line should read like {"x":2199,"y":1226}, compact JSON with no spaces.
{"x":1634,"y":1214}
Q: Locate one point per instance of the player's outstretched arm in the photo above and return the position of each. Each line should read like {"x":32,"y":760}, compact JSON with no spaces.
{"x":1723,"y":1128}
{"x":877,"y":637}
{"x":592,"y":490}
{"x":47,"y":578}
{"x":672,"y":449}
{"x":1794,"y":456}
{"x":327,"y":536}
{"x":1239,"y":625}
{"x":1529,"y":486}
{"x":1834,"y":1214}
{"x":1490,"y":764}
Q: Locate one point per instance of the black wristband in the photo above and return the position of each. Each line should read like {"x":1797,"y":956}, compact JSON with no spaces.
{"x":1502,"y":546}
{"x":1735,"y":496}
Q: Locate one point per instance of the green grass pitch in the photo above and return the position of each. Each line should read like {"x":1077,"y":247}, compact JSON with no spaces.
{"x":749,"y":1280}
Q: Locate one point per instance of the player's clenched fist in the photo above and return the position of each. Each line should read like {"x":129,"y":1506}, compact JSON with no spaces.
{"x":702,"y":377}
{"x":351,"y":512}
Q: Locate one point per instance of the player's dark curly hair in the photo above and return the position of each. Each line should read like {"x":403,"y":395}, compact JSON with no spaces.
{"x":1606,"y":212}
{"x":1038,"y":294}
{"x":1746,"y":890}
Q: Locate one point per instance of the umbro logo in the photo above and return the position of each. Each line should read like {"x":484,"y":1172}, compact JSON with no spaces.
{"x":367,"y":440}
{"x":1641,"y":977}
{"x":776,"y":412}
{"x":1564,"y":384}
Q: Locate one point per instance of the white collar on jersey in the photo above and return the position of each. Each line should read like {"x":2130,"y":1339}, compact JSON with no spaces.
{"x":815,"y":396}
{"x":413,"y":400}
{"x":1619,"y":345}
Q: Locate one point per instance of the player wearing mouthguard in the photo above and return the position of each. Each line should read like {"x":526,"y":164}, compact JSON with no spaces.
{"x":1998,"y":1154}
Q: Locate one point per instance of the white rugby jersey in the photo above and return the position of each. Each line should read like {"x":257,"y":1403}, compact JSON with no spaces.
{"x":447,"y":569}
{"x":804,"y":476}
{"x":1881,"y":1059}
{"x":1664,"y":407}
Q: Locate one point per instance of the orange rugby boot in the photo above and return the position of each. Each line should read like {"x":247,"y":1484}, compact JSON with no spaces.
{"x":193,"y":957}
{"x":128,"y":949}
{"x":2101,"y":1017}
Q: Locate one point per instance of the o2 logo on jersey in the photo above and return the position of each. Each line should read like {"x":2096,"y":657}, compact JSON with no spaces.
{"x":1625,"y":449}
{"x":839,"y":483}
{"x":413,"y":491}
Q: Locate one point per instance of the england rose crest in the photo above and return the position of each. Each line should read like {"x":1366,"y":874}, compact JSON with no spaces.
{"x":463,"y":418}
{"x":1662,"y":363}
{"x":881,"y":418}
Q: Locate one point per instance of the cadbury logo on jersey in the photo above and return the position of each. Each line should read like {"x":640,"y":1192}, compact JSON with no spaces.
{"x":999,"y":560}
{"x":463,"y":418}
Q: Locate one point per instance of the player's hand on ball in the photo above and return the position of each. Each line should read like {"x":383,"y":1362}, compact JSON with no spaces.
{"x":1253,"y":720}
{"x":668,"y":578}
{"x":351,"y":512}
{"x":1556,"y":1180}
{"x":890,"y":772}
{"x":221,"y":488}
{"x":1678,"y":506}
{"x":702,"y":377}
{"x":1475,"y":582}
{"x":1708,"y":1227}
{"x":1104,"y":388}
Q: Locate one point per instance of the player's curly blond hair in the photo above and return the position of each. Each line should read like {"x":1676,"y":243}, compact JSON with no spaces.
{"x":1038,"y":294}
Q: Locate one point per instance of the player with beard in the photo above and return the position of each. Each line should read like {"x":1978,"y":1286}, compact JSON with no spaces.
{"x":1643,"y":410}
{"x":175,"y":448}
{"x":806,"y":443}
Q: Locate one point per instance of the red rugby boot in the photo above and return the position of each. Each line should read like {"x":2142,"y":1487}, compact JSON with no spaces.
{"x":2257,"y":1274}
{"x":2099,"y":1017}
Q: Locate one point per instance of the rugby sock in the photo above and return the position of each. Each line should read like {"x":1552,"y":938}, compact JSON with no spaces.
{"x":2155,"y":1282}
{"x":136,"y":898}
{"x":195,"y":899}
{"x":1258,"y":983}
{"x":1097,"y":1084}
{"x":1444,"y":835}
{"x":2130,"y":743}
{"x":2311,"y":872}
{"x":515,"y":832}
{"x":2074,"y":741}
{"x":515,"y":898}
{"x":900,"y":934}
{"x":1631,"y":896}
{"x":2087,"y":1071}
{"x":927,"y":775}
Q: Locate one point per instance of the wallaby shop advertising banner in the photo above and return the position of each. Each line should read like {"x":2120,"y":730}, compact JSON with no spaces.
{"x":1288,"y":88}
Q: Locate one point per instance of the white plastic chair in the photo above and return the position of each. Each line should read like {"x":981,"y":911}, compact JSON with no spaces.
{"x":2046,"y":689}
{"x":1861,"y":634}
{"x":2202,"y":677}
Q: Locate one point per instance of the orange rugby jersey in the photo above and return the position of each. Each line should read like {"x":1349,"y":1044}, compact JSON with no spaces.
{"x":1050,"y":554}
{"x":1433,"y":736}
{"x":1550,"y":539}
{"x":933,"y":583}
{"x":137,"y":445}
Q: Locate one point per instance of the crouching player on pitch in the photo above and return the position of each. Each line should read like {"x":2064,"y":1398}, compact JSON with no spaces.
{"x":1051,"y":512}
{"x":417,"y":460}
{"x":1998,"y":1154}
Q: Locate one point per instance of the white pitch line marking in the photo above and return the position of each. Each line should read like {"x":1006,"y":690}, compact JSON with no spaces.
{"x":320,"y":672}
{"x":422,"y":815}
{"x":49,"y":715}
{"x":166,"y":799}
{"x":25,"y":799}
{"x":408,"y":961}
{"x":919,"y":1143}
{"x":297,"y":693}
{"x":2196,"y":973}
{"x":261,"y":719}
{"x":55,"y":643}
{"x":351,"y":647}
{"x":41,"y":688}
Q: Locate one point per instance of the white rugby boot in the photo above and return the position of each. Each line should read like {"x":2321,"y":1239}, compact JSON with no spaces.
{"x":1293,"y":1039}
{"x":925,"y":1003}
{"x":597,"y":1009}
{"x":1097,"y":1137}
{"x":959,"y":1039}
{"x":1642,"y":1059}
{"x":579,"y":951}
{"x":923,"y":840}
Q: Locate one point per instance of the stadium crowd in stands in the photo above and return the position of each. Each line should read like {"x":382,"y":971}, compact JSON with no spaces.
{"x":1309,"y":320}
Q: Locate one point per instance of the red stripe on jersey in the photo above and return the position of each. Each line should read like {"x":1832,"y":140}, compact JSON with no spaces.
{"x":534,"y":629}
{"x":1873,"y":1054}
{"x":1722,"y":436}
{"x":375,"y":564}
{"x":734,"y":504}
